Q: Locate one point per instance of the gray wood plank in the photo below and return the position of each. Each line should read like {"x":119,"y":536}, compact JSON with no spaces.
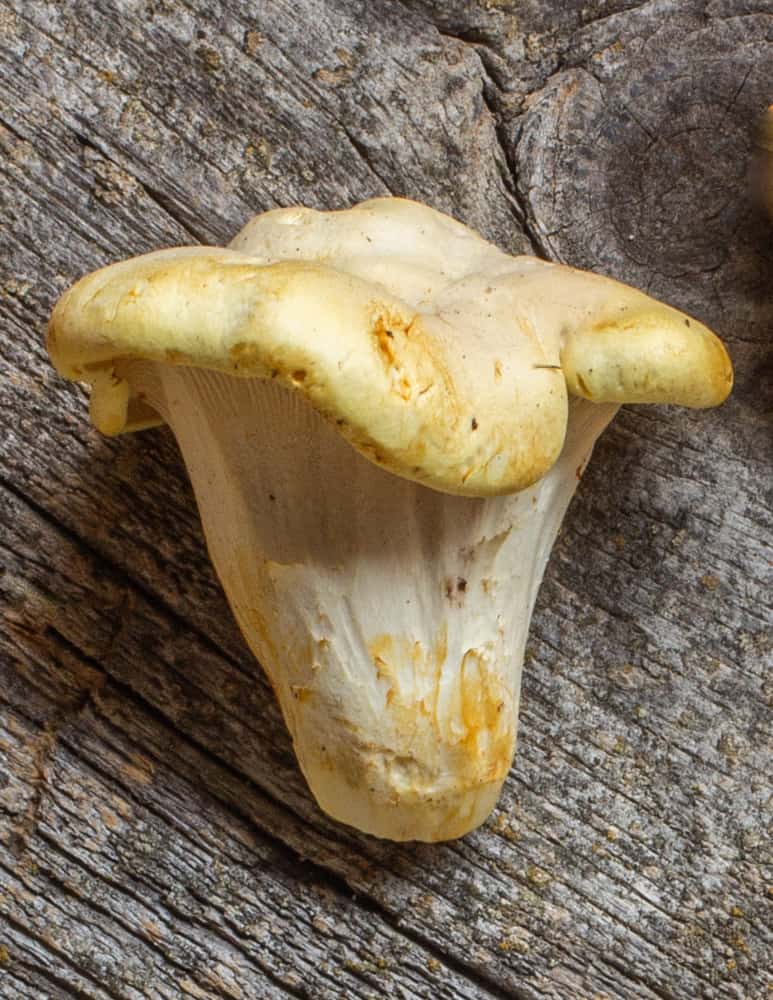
{"x":156,"y":837}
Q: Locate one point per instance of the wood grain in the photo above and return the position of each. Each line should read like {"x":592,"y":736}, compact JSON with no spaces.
{"x":156,"y":837}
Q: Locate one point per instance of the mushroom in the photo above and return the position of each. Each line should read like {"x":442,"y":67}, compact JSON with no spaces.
{"x":384,"y":418}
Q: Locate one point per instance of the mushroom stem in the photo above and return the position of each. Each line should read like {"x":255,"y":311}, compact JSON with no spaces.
{"x":391,"y":618}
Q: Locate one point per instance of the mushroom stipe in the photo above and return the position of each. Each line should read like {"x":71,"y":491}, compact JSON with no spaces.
{"x":384,"y":418}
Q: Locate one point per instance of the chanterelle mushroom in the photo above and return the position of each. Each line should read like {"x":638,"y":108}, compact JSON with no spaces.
{"x":384,"y":418}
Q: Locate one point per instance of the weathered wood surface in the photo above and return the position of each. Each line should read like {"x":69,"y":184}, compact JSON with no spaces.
{"x":156,"y":838}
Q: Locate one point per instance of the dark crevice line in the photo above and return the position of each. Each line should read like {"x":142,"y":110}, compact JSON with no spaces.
{"x":475,"y":976}
{"x":491,"y":94}
{"x":4,"y":123}
{"x":733,"y":99}
{"x":509,"y":174}
{"x":594,"y":19}
{"x":167,"y":205}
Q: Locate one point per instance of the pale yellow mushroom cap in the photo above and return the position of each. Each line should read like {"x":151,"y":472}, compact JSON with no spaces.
{"x":433,"y":353}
